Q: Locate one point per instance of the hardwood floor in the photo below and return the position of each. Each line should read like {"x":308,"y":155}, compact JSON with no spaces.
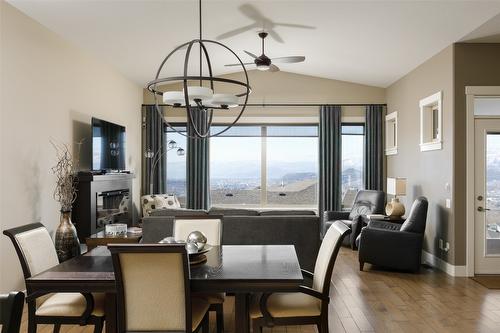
{"x":383,"y":301}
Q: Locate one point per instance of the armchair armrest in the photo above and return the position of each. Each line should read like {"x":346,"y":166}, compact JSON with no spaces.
{"x":330,"y":215}
{"x":380,"y":224}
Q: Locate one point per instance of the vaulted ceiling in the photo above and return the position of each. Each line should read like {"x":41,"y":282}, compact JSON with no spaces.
{"x":368,"y":42}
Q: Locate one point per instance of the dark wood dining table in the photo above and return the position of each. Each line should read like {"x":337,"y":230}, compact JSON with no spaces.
{"x":238,"y":269}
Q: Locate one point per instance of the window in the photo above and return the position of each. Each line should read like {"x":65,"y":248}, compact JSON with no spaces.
{"x":353,"y":144}
{"x":431,"y":122}
{"x":176,"y":163}
{"x":265,"y":166}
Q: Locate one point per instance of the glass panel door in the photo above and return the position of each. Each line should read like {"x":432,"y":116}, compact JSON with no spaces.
{"x":492,"y":194}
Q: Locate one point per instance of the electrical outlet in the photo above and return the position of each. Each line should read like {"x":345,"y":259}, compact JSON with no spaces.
{"x":448,"y":203}
{"x":440,"y":244}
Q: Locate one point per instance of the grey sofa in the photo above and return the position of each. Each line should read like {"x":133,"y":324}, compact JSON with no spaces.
{"x":250,"y":227}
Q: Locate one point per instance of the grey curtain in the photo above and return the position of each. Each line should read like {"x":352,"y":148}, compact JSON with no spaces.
{"x":153,"y":141}
{"x":374,"y":147}
{"x":197,"y":166}
{"x":330,"y":158}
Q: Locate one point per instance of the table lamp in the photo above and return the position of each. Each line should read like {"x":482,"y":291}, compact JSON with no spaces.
{"x":396,"y":187}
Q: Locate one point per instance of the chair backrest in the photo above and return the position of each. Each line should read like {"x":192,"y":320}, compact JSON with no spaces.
{"x":34,"y":248}
{"x":417,"y":218}
{"x":327,"y":255}
{"x":11,"y":311}
{"x":152,"y":283}
{"x":211,"y":226}
{"x":367,"y":202}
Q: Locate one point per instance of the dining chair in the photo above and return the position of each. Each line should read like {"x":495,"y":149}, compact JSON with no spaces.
{"x":309,"y":305}
{"x":11,"y":311}
{"x":37,"y":253}
{"x":211,"y":226}
{"x":153,"y":289}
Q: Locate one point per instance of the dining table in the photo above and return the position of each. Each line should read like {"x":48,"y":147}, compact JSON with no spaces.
{"x":241,"y":270}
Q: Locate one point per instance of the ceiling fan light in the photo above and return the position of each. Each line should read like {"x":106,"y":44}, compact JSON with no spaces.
{"x":263,"y":67}
{"x":224,"y":100}
{"x":174,"y":98}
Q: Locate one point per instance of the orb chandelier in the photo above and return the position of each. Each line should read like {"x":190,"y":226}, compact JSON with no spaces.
{"x":199,"y":100}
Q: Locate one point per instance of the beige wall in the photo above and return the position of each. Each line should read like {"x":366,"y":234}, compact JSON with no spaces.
{"x":427,"y":172}
{"x":50,"y":89}
{"x":475,"y":65}
{"x":284,"y":87}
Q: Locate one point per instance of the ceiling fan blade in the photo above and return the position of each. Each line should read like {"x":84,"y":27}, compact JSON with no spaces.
{"x":292,"y":25}
{"x":275,"y":36}
{"x":251,"y":12}
{"x":245,"y":63}
{"x":289,"y":60}
{"x":236,"y":31}
{"x":250,"y":54}
{"x":273,"y":68}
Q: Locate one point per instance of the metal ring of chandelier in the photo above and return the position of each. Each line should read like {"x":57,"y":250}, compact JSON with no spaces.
{"x":197,"y":104}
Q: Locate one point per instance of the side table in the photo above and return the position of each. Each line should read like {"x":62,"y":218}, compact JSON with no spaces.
{"x":100,"y":239}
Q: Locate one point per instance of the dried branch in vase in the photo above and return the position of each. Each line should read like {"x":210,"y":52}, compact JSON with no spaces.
{"x":66,"y":175}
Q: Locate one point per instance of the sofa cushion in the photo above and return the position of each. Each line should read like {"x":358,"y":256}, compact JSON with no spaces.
{"x":151,"y":202}
{"x":232,"y":211}
{"x":277,"y":212}
{"x":178,"y":212}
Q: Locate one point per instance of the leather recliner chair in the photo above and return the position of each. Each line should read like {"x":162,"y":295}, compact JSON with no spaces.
{"x":392,"y":245}
{"x":366,"y":202}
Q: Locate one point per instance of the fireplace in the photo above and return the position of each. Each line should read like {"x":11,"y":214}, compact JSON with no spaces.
{"x":101,"y":200}
{"x":112,"y":207}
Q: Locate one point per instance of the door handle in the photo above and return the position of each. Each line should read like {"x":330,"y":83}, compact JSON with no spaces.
{"x":481,"y":209}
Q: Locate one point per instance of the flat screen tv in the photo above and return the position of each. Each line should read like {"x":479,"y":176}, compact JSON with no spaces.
{"x":108,"y":146}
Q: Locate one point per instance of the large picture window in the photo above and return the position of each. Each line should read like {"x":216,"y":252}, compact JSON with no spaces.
{"x":353,"y":148}
{"x":265,"y":166}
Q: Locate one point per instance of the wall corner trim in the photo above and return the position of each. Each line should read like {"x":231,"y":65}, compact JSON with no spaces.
{"x":452,"y":270}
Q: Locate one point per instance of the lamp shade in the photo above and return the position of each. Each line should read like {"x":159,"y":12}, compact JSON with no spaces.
{"x":396,"y":186}
{"x":173,"y":98}
{"x":201,"y":93}
{"x":219,"y":100}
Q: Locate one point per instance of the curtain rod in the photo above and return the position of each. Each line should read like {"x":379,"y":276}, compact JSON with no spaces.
{"x":295,"y":104}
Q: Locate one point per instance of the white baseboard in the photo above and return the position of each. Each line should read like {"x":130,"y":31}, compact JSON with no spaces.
{"x":432,"y":260}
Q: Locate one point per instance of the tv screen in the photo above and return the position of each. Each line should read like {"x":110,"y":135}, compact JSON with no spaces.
{"x":108,"y":146}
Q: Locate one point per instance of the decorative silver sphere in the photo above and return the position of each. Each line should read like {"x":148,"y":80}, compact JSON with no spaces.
{"x":191,"y":248}
{"x":198,"y":238}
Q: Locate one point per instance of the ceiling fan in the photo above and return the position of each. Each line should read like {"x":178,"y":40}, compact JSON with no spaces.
{"x":264,"y":63}
{"x":260,"y":21}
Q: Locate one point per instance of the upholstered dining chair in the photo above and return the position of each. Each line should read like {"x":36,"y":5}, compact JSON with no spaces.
{"x":211,"y":226}
{"x":309,"y":305}
{"x":11,"y":311}
{"x":37,"y":253}
{"x":153,"y":290}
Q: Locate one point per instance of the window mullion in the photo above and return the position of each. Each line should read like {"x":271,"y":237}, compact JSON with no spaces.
{"x":263,"y":167}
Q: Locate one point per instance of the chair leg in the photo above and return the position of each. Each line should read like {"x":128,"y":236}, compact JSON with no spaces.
{"x":99,"y":326}
{"x":205,"y":324}
{"x":31,"y":321}
{"x":31,"y":326}
{"x":219,"y":313}
{"x":361,"y":265}
{"x":57,"y":328}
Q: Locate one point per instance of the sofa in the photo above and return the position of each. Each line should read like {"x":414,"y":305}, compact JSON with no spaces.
{"x":300,"y":228}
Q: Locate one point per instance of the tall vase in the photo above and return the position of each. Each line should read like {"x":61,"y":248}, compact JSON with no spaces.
{"x":66,"y":242}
